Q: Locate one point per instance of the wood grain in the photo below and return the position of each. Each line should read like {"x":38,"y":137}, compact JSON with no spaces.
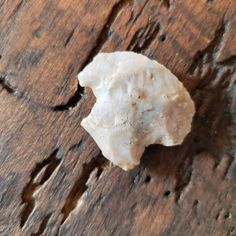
{"x":53,"y":178}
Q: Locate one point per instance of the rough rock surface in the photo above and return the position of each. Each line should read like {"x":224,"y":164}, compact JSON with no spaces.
{"x":139,"y":102}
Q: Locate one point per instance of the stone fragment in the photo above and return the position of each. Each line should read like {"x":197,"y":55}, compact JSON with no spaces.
{"x":138,"y":102}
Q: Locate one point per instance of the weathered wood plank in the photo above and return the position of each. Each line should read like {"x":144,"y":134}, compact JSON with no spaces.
{"x":53,"y":179}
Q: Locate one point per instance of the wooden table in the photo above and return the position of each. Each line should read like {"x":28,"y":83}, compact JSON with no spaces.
{"x":53,"y":178}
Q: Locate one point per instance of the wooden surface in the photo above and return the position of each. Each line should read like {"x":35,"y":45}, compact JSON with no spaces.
{"x":53,"y":179}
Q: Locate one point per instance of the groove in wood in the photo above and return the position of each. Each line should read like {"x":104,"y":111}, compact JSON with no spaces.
{"x":104,"y":35}
{"x":48,"y":166}
{"x":80,"y":186}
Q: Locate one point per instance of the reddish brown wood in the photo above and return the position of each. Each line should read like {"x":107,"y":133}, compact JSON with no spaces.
{"x":53,"y":179}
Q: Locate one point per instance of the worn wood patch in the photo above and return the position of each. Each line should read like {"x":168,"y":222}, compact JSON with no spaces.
{"x":53,"y":178}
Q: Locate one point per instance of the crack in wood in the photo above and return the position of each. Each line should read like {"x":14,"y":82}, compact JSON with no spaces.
{"x":195,"y":204}
{"x":70,"y":36}
{"x":80,"y":186}
{"x":209,"y":54}
{"x":231,"y":61}
{"x":7,"y":87}
{"x":104,"y":34}
{"x":223,"y":165}
{"x":77,"y":146}
{"x":143,"y":38}
{"x":72,"y":102}
{"x":231,"y":171}
{"x":17,"y":8}
{"x":232,"y":231}
{"x":223,"y":215}
{"x":183,"y":178}
{"x":141,"y":11}
{"x":43,"y":225}
{"x":75,"y":98}
{"x":48,"y":166}
{"x":166,"y":3}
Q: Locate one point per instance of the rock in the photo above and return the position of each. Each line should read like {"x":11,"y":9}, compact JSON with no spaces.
{"x":139,"y":102}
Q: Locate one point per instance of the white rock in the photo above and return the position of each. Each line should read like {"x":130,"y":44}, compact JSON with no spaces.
{"x":139,"y":102}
